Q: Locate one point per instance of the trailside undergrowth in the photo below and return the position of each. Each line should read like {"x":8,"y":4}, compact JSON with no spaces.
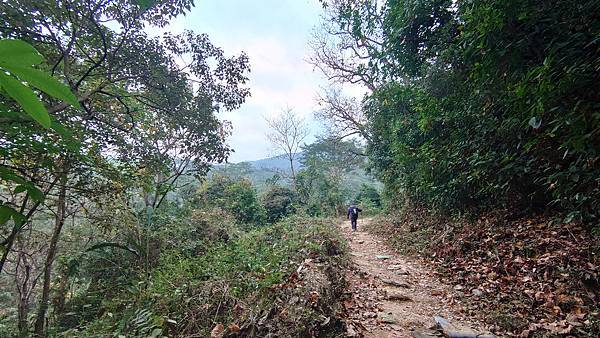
{"x":536,"y":277}
{"x":282,"y":279}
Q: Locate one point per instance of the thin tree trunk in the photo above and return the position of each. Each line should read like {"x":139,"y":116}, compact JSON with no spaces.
{"x":293,"y":171}
{"x":7,"y":247}
{"x":25,"y":283}
{"x":8,"y":243}
{"x":52,"y":249}
{"x":23,"y":312}
{"x":23,"y":304}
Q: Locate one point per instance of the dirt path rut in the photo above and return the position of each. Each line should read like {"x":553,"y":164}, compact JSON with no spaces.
{"x":390,"y":295}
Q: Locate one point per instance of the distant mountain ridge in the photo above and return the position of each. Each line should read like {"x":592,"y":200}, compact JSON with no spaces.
{"x":260,"y":172}
{"x":279,"y":163}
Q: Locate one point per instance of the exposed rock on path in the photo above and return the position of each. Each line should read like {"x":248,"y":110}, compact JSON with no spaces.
{"x":391,"y":296}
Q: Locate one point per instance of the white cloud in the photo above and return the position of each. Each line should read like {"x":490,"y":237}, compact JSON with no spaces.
{"x":279,"y":78}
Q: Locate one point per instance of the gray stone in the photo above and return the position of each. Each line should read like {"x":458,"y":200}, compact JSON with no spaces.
{"x":396,"y":283}
{"x":369,"y":315}
{"x":350,"y":332}
{"x":388,"y":319}
{"x":399,"y":297}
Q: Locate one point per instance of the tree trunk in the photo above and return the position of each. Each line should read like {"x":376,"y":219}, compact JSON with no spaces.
{"x":23,"y":304}
{"x":52,"y":249}
{"x":7,"y":246}
{"x":25,"y":282}
{"x":10,"y":240}
{"x":291,"y":157}
{"x":8,"y":243}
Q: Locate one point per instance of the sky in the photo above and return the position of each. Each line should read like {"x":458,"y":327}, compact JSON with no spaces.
{"x":275,"y":35}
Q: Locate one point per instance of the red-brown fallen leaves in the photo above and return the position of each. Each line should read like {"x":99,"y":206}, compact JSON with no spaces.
{"x":292,"y":282}
{"x":531,"y":276}
{"x":541,"y":271}
{"x":237,"y":311}
{"x":233,"y":328}
{"x":217,"y":331}
{"x":348,"y":304}
{"x":360,"y":308}
{"x":313,"y":298}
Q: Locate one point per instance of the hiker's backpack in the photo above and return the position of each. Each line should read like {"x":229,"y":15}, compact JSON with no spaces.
{"x":354,"y":212}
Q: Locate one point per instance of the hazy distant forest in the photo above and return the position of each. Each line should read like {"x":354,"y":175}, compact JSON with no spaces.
{"x":475,"y":147}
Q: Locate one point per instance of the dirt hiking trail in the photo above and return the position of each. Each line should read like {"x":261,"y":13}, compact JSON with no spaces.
{"x":390,"y":295}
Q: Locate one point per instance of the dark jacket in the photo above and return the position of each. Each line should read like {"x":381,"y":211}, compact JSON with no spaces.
{"x":353,"y":214}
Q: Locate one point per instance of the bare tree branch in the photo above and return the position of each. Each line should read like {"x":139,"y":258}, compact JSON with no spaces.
{"x":288,"y":131}
{"x":343,"y":116}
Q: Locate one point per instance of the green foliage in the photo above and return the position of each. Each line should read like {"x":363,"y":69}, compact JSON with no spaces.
{"x":17,"y":59}
{"x":18,"y":80}
{"x":142,"y":121}
{"x":369,"y":193}
{"x":339,"y":157}
{"x":330,"y":177}
{"x":262,"y":173}
{"x":369,"y":199}
{"x":278,"y":202}
{"x":484,"y":103}
{"x":206,"y":267}
{"x":243,"y":203}
{"x":238,"y":198}
{"x":318,"y":193}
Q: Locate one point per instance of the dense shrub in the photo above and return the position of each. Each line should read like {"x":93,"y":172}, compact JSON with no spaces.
{"x":369,"y":199}
{"x":484,"y":104}
{"x":278,"y":202}
{"x":319,"y":194}
{"x":230,"y":280}
{"x":237,"y":197}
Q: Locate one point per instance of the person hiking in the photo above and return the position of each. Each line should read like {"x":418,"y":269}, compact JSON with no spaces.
{"x":353,"y":211}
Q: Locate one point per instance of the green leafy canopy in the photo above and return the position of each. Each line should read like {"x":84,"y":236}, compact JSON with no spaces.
{"x":17,"y":59}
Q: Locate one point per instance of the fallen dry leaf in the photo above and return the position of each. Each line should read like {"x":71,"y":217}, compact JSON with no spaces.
{"x":217,"y":331}
{"x":233,"y":328}
{"x":314,"y":297}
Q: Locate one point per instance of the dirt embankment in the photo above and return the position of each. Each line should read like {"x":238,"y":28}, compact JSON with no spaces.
{"x":533,"y":277}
